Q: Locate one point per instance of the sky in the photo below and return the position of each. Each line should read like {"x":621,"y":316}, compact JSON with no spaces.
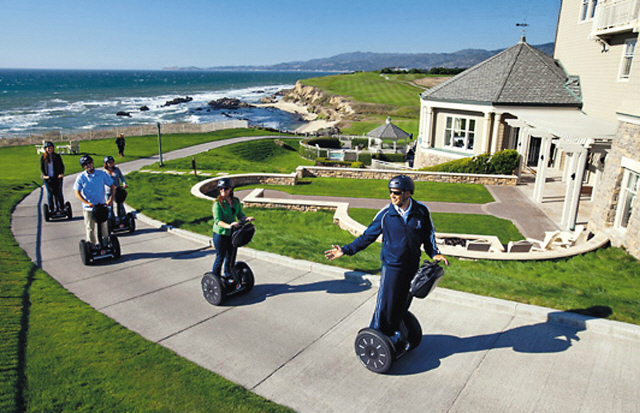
{"x":152,"y":34}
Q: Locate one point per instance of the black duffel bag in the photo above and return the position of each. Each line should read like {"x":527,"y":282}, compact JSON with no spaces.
{"x":426,"y":279}
{"x":242,"y":234}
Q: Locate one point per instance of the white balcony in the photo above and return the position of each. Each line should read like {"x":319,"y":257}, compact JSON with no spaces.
{"x":616,"y":16}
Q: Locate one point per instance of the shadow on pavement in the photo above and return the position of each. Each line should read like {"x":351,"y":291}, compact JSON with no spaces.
{"x":547,"y":337}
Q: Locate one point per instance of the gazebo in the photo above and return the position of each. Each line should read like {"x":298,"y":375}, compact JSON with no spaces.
{"x":386,"y":131}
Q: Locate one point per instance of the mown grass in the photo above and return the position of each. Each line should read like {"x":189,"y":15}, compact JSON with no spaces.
{"x":375,"y":97}
{"x":256,"y":156}
{"x":59,"y":354}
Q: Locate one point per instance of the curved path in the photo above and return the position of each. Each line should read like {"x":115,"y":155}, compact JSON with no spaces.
{"x":291,"y":338}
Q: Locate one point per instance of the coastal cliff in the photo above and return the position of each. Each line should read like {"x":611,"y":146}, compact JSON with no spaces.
{"x":324,"y":105}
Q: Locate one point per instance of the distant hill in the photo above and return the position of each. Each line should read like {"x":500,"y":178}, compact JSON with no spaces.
{"x":368,"y":61}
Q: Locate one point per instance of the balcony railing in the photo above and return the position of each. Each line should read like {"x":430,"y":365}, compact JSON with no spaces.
{"x":616,"y":16}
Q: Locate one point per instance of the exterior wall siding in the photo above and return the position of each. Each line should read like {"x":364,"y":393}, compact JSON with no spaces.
{"x":626,"y":144}
{"x":602,"y":91}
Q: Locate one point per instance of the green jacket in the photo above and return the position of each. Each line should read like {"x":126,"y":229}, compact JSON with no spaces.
{"x":226,"y":213}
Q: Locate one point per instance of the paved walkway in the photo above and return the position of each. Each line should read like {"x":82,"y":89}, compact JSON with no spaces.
{"x":291,"y":338}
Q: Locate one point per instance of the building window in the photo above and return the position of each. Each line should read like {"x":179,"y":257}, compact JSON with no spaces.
{"x":588,"y":9}
{"x":460,"y":133}
{"x":627,"y":58}
{"x":628,"y":195}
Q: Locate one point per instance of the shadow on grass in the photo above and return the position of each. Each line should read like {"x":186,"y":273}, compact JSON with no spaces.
{"x":540,"y":338}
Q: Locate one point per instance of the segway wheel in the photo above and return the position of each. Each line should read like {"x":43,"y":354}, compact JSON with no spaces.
{"x":245,"y":275}
{"x":115,"y":245}
{"x":85,"y":252}
{"x":67,"y":208}
{"x":374,"y":350}
{"x":212,"y":289}
{"x":132,"y":223}
{"x":414,"y":330}
{"x":45,"y":212}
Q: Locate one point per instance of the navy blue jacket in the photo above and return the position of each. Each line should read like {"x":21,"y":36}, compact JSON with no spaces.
{"x":400,"y":242}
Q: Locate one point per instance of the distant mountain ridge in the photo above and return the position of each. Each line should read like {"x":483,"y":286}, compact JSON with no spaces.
{"x":369,"y":61}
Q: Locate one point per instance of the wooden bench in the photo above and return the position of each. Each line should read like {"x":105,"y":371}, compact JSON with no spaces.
{"x":73,"y":148}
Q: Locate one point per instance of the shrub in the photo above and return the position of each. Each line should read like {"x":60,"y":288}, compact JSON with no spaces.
{"x":324,"y":142}
{"x":338,"y":164}
{"x":501,"y":163}
{"x":362,"y":143}
{"x":505,"y":162}
{"x":389,"y":157}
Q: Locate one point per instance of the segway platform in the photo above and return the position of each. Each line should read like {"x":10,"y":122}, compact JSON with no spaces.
{"x":216,"y":288}
{"x":377,"y":351}
{"x":127,"y":224}
{"x":65,"y":214}
{"x":109,"y":247}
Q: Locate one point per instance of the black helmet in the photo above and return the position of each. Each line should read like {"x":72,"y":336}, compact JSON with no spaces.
{"x":108,"y":159}
{"x":85,"y":159}
{"x":402,"y":182}
{"x":48,"y":144}
{"x":224,"y":183}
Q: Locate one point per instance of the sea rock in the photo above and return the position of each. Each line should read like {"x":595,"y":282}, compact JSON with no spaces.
{"x":123,"y":113}
{"x":177,"y":101}
{"x":144,"y":108}
{"x":228,"y":103}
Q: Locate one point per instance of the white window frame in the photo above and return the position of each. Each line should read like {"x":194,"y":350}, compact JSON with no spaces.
{"x":629,"y":192}
{"x":587,"y":10}
{"x":459,"y":131}
{"x":628,"y":51}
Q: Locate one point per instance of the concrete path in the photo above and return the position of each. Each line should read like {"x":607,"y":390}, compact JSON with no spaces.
{"x":291,"y":338}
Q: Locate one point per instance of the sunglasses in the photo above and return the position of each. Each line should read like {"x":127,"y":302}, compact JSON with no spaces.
{"x":398,"y":193}
{"x":225,"y":188}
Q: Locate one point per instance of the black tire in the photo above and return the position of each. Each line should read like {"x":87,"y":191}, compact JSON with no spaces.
{"x":67,"y":208}
{"x":374,"y":350}
{"x":45,"y":212}
{"x":85,"y":253}
{"x":132,"y":223}
{"x":414,"y":330}
{"x":213,"y":289}
{"x":245,"y":275}
{"x":115,"y":247}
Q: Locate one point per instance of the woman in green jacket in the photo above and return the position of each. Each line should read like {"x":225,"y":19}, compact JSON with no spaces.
{"x":227,"y":213}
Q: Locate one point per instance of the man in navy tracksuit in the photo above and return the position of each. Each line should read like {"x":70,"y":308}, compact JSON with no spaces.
{"x":405,"y":225}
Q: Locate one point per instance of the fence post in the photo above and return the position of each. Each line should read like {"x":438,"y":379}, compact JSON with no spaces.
{"x":160,"y":144}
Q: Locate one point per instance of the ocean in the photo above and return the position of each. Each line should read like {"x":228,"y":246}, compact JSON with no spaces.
{"x":35,"y":102}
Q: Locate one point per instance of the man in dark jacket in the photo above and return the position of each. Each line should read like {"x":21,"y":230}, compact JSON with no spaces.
{"x":405,"y":225}
{"x":52,"y":171}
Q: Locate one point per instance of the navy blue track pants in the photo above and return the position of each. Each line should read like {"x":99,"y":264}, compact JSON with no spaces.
{"x":394,"y":298}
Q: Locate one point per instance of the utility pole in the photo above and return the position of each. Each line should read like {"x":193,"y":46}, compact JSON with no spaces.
{"x":160,"y":144}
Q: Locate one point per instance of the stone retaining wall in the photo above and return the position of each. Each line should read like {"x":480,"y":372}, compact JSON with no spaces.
{"x":357,"y":173}
{"x":207,"y":188}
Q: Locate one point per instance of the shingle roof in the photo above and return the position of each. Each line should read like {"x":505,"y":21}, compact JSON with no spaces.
{"x":519,"y":75}
{"x":388,"y":131}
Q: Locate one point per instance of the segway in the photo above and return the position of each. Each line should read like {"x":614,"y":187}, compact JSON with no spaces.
{"x":57,"y":215}
{"x":118,"y":224}
{"x":377,"y":351}
{"x":106,"y":248}
{"x":216,"y":288}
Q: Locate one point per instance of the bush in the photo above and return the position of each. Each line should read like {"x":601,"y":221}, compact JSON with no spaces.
{"x":389,"y":157}
{"x":505,"y":162}
{"x":362,"y":143}
{"x":338,"y":164}
{"x":324,"y":142}
{"x":501,"y":163}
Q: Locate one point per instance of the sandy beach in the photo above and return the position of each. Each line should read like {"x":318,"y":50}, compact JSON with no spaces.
{"x":314,"y":123}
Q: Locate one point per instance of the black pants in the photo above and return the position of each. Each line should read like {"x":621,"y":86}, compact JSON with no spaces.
{"x":54,"y":193}
{"x":394,"y":298}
